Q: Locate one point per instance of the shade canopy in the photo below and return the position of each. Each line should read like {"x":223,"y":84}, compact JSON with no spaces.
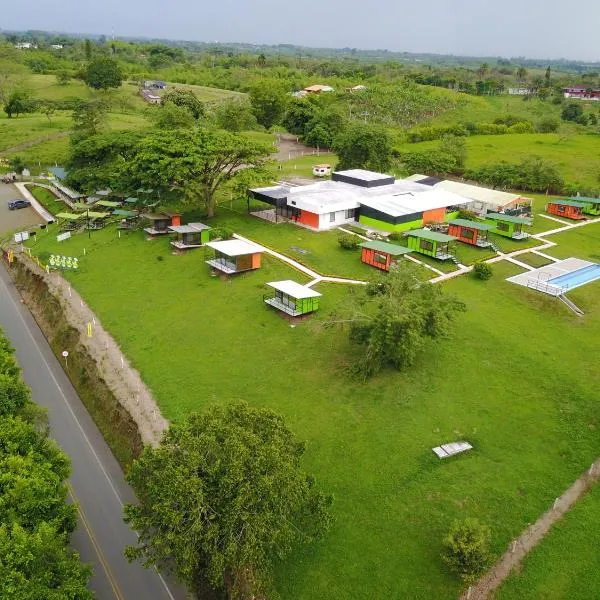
{"x":386,"y":247}
{"x":69,"y":216}
{"x":97,"y":215}
{"x":293,"y":289}
{"x":472,"y":224}
{"x":124,"y":213}
{"x":108,"y":204}
{"x":432,"y":236}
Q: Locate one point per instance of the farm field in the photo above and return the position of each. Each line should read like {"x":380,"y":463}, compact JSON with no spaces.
{"x":517,"y":378}
{"x":564,"y":565}
{"x":576,"y":155}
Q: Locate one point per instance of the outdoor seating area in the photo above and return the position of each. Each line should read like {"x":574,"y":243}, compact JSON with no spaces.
{"x":69,"y":221}
{"x":127,"y":218}
{"x":431,"y":243}
{"x":234,"y":256}
{"x":192,"y":235}
{"x":382,"y":255}
{"x":161,"y":222}
{"x":292,"y":298}
{"x":508,"y":226}
{"x":470,"y":232}
{"x":95,"y":220}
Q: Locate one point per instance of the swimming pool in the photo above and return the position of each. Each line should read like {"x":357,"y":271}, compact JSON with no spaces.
{"x":576,"y":278}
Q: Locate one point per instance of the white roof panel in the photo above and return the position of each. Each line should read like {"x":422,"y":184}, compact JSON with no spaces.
{"x":293,"y":289}
{"x":235,"y":247}
{"x":363,"y":174}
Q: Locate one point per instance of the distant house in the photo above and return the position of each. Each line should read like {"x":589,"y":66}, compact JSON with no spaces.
{"x":234,"y":256}
{"x":321,"y":170}
{"x":581,"y":93}
{"x":292,"y":298}
{"x":318,"y":89}
{"x":150,"y":97}
{"x":57,"y":46}
{"x":522,"y":91}
{"x":508,"y":225}
{"x":571,"y":209}
{"x":381,"y":255}
{"x":155,"y":85}
{"x":25,"y":46}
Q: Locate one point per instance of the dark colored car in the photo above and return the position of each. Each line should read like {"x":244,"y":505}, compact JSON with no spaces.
{"x":16,"y":204}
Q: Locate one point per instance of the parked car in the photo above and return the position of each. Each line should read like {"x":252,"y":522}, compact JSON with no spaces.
{"x":16,"y":204}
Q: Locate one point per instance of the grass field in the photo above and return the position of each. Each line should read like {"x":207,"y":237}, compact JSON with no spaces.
{"x":576,"y":156}
{"x":47,"y":199}
{"x":534,"y":260}
{"x":517,"y":378}
{"x":566,"y":564}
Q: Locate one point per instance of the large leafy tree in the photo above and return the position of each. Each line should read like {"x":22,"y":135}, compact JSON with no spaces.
{"x":222,"y":497}
{"x":392,"y":319}
{"x":186,"y":99}
{"x":39,"y":564}
{"x":269,"y":102}
{"x":363,"y":146}
{"x":195,"y":162}
{"x":103,"y":73}
{"x":18,"y":103}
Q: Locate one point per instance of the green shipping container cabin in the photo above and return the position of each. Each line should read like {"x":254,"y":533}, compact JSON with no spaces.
{"x":382,"y":255}
{"x":292,"y":298}
{"x":431,"y":243}
{"x":192,"y":235}
{"x":508,"y":225}
{"x":591,"y":205}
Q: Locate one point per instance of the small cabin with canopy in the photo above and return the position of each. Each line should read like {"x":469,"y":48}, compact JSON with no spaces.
{"x":592,"y":205}
{"x":95,"y":220}
{"x":234,"y":256}
{"x":128,"y":218}
{"x":292,"y":298}
{"x":160,"y":222}
{"x":192,"y":235}
{"x":474,"y":233}
{"x":431,"y":243}
{"x":509,"y":226}
{"x":570,"y":209}
{"x":382,"y":255}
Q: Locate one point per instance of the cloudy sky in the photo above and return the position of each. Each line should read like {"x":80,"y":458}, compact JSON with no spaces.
{"x":532,"y":28}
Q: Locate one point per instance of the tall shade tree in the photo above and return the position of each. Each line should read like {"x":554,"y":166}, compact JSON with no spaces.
{"x":364,"y":147}
{"x":269,"y":102}
{"x":222,"y":497}
{"x":185,"y":99}
{"x":103,"y":73}
{"x":196,"y":162}
{"x":392,"y":318}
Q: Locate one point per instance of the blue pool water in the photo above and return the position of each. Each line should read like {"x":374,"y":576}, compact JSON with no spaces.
{"x":577,"y":278}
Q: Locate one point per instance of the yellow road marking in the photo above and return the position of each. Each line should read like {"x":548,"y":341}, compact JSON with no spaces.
{"x":96,"y":546}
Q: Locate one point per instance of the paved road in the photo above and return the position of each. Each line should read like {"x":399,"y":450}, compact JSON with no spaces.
{"x":97,"y":482}
{"x":13,"y":219}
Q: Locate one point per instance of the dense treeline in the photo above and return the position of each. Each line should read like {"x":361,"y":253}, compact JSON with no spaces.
{"x":35,"y":520}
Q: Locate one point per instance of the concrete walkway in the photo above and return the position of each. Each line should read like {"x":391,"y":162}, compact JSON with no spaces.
{"x":48,"y":217}
{"x":554,"y":219}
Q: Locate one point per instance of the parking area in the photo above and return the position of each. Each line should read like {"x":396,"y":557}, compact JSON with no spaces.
{"x":15,"y":219}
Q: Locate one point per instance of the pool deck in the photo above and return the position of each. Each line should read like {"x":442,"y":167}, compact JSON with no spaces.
{"x":539,"y":279}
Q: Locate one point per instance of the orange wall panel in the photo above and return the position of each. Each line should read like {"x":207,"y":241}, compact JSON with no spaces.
{"x":310,"y":219}
{"x":434,"y":216}
{"x":256,"y":260}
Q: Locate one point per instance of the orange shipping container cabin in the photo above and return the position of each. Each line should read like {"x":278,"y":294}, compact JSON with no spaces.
{"x":470,"y":232}
{"x":234,"y":256}
{"x":571,"y":209}
{"x":381,"y":255}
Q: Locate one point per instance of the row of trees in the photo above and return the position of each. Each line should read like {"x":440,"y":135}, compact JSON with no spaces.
{"x":35,"y":520}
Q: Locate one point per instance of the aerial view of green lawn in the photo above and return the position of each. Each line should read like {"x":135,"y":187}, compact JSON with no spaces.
{"x":521,"y":392}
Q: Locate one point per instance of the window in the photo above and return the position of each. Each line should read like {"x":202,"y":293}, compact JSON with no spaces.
{"x":380,"y":258}
{"x":426,"y":245}
{"x":503,"y":226}
{"x":332,"y":217}
{"x":350,"y":213}
{"x":467,"y":233}
{"x":562,"y":208}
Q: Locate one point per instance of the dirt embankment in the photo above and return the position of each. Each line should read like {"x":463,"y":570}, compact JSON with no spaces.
{"x":112,"y":391}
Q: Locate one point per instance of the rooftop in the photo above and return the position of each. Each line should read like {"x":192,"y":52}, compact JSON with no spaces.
{"x":235,"y":247}
{"x":508,"y":218}
{"x":585,"y":199}
{"x":189,"y":228}
{"x":386,"y":247}
{"x":472,"y":224}
{"x":293,"y":289}
{"x":363,"y":174}
{"x":576,"y":203}
{"x":434,"y":236}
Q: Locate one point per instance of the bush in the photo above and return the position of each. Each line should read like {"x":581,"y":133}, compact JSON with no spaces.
{"x":221,"y":233}
{"x":572,"y":112}
{"x":349,"y":242}
{"x":547,"y":125}
{"x":466,"y":549}
{"x":482,"y":271}
{"x":396,"y":236}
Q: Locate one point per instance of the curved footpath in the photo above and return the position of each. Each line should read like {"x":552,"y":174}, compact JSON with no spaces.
{"x":96,"y":483}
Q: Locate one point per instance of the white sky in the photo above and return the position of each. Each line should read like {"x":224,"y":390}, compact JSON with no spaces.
{"x":531,"y":28}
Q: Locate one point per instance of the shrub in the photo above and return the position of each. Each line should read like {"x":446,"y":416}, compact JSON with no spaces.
{"x":548,"y":125}
{"x":482,"y":271}
{"x":349,"y":242}
{"x":396,"y":236}
{"x":466,"y":549}
{"x":221,"y":233}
